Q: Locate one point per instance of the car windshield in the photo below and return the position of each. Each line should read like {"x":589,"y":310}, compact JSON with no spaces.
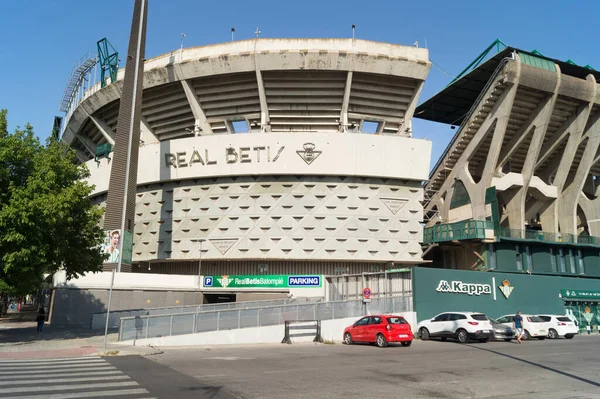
{"x":480,"y":317}
{"x":493,"y":321}
{"x":396,"y":320}
{"x":564,"y":319}
{"x":535,"y":319}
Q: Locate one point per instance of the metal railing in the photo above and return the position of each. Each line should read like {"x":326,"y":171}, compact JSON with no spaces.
{"x":99,"y":319}
{"x":463,"y":230}
{"x":476,"y":229}
{"x":544,"y":236}
{"x":152,"y":326}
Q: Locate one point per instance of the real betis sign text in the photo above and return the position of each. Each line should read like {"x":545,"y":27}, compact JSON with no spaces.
{"x":580,"y":294}
{"x":263,"y":281}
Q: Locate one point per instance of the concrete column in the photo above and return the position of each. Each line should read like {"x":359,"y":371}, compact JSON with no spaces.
{"x":199,"y":115}
{"x":265,"y":121}
{"x":569,"y":196}
{"x":104,"y":129}
{"x":345,"y":102}
{"x":539,"y":121}
{"x":405,"y":127}
{"x":502,"y":115}
{"x":147,"y":135}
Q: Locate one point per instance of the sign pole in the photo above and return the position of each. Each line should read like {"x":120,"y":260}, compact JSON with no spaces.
{"x":112,"y":282}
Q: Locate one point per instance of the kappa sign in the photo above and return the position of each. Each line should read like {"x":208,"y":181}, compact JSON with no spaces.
{"x":458,"y":287}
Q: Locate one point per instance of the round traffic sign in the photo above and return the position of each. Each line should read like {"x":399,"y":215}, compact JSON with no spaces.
{"x":366,"y":293}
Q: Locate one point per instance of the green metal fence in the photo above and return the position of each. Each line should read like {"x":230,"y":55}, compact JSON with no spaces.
{"x":475,"y":229}
{"x":463,"y":230}
{"x":544,"y":236}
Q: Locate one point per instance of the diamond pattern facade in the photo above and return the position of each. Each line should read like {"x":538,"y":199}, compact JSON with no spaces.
{"x":287,"y":217}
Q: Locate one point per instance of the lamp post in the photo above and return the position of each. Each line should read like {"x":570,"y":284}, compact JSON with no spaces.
{"x":200,"y":240}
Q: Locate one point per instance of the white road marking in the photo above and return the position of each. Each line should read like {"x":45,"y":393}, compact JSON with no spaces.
{"x":69,"y":387}
{"x":56,"y":380}
{"x":77,"y":395}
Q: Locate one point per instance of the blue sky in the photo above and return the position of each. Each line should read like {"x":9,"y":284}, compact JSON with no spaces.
{"x":40,"y":40}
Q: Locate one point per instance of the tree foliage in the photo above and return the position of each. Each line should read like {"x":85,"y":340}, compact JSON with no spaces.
{"x":47,"y":220}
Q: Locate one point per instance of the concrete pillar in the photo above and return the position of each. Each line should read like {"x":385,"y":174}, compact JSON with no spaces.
{"x":569,"y":197}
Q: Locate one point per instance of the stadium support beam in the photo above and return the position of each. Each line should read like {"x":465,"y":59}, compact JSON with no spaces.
{"x":104,"y":129}
{"x":199,"y":115}
{"x":147,"y":135}
{"x":87,"y":143}
{"x":346,"y":102}
{"x":569,"y":198}
{"x":539,"y":122}
{"x":265,"y":121}
{"x":406,"y":127}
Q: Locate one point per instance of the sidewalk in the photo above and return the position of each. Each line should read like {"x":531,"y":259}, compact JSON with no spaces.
{"x":19,"y":340}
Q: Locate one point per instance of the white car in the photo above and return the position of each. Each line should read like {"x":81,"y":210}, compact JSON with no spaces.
{"x":559,"y":326}
{"x":533,"y":326}
{"x":462,"y":326}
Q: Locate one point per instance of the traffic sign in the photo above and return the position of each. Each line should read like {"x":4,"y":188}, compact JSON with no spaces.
{"x":366,"y":293}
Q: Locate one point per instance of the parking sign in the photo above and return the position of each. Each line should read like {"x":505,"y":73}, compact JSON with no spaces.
{"x":208,"y":281}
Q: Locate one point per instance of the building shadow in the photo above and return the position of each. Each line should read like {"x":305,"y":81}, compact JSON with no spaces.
{"x":547,"y":368}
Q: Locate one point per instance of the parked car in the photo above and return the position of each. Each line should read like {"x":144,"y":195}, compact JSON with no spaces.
{"x":379,"y":329}
{"x":462,"y":326}
{"x":560,"y":326}
{"x":502,"y":331}
{"x":533,"y":326}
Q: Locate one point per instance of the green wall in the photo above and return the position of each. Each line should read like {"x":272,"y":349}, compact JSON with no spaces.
{"x":531,"y":293}
{"x":541,"y":260}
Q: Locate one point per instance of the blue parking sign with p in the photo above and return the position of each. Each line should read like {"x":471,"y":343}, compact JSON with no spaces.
{"x":208,"y":281}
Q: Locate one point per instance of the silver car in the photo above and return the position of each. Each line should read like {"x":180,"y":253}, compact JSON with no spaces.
{"x":502,"y":331}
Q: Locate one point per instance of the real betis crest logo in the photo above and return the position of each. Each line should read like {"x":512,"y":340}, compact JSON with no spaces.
{"x":224,"y":281}
{"x":506,"y":289}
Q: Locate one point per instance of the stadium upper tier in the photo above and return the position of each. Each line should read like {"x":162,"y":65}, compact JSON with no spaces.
{"x":262,"y":85}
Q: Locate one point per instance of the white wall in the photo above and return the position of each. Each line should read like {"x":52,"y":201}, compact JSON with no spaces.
{"x":330,"y":330}
{"x":340,"y":155}
{"x":165,"y":282}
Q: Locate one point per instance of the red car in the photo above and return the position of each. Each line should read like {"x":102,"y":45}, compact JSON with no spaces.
{"x":380,"y":329}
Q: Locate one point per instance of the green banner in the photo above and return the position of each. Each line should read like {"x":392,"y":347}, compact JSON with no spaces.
{"x":263,"y":281}
{"x":580,"y":294}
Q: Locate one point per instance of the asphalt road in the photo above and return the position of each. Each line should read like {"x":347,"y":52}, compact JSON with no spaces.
{"x":536,"y":369}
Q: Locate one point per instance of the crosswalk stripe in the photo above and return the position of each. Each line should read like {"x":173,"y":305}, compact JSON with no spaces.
{"x":30,"y":365}
{"x":54,"y":366}
{"x":100,"y":368}
{"x":56,"y":380}
{"x":45,"y":375}
{"x":69,"y":387}
{"x":55,"y":359}
{"x":75,"y":395}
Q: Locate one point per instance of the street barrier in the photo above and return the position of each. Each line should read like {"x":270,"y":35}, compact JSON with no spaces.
{"x":152,"y":326}
{"x":314,"y":326}
{"x":99,"y":319}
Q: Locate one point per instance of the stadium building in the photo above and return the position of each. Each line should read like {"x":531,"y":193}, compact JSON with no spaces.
{"x":269,"y":156}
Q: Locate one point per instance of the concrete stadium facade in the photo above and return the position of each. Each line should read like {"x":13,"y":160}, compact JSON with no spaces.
{"x":288,"y":155}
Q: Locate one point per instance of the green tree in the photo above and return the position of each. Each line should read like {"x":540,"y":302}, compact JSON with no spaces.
{"x":47,"y":221}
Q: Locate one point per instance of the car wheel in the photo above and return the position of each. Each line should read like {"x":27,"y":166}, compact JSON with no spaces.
{"x":444,"y":338}
{"x":569,"y":336}
{"x":552,"y":334}
{"x":526,"y":334}
{"x":381,"y":341}
{"x":406,"y":343}
{"x":508,"y":339}
{"x":424,"y":334}
{"x":462,"y":336}
{"x":348,"y":339}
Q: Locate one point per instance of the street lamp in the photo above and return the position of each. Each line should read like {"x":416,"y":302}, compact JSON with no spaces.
{"x":200,"y":240}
